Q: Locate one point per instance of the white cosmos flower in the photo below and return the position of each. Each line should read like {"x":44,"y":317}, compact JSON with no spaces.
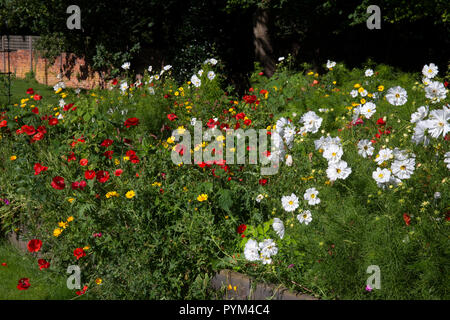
{"x":251,"y":250}
{"x":420,"y":114}
{"x":126,"y":66}
{"x":211,"y":61}
{"x":259,"y":198}
{"x":397,"y":96}
{"x":333,"y":153}
{"x":338,"y":170}
{"x":289,"y":203}
{"x":211,"y":75}
{"x":311,"y":196}
{"x":430,"y":71}
{"x":369,"y":73}
{"x":438,"y":122}
{"x":419,"y":133}
{"x":403,"y":169}
{"x":280,"y":124}
{"x":330,"y":64}
{"x":280,"y":59}
{"x":435,"y":91}
{"x":167,"y":67}
{"x":62,"y":103}
{"x":383,"y":155}
{"x":124,"y":86}
{"x":196,"y":81}
{"x":311,"y":121}
{"x":200,"y":72}
{"x":368,"y":109}
{"x":365,"y":148}
{"x":354,"y":93}
{"x":193,"y":121}
{"x":364,"y":93}
{"x":150,"y":68}
{"x":447,"y":159}
{"x":381,"y":175}
{"x":278,"y":226}
{"x":305,"y":217}
{"x":267,"y":249}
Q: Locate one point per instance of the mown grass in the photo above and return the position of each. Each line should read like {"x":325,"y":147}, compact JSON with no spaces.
{"x":46,"y":284}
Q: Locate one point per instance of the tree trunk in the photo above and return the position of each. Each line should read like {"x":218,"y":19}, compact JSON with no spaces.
{"x":263,"y":46}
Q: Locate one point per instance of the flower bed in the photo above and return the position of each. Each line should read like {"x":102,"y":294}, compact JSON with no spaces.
{"x":355,"y":176}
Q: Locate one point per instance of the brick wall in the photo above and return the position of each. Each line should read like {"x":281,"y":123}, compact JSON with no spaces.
{"x":75,"y":72}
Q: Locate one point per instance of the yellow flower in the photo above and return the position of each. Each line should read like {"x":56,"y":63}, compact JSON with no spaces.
{"x":12,"y":158}
{"x":363,"y":101}
{"x":116,"y":162}
{"x":71,"y":200}
{"x":126,"y":158}
{"x":361,"y":89}
{"x":98,"y":281}
{"x":356,"y":86}
{"x":58,"y":91}
{"x":63,"y":95}
{"x":62,"y":224}
{"x":130,"y":194}
{"x":57,"y":232}
{"x":380,"y":88}
{"x":202,"y":197}
{"x":177,"y":93}
{"x":70,"y":219}
{"x":112,"y":194}
{"x":171,"y":140}
{"x":86,"y":248}
{"x":156,"y":184}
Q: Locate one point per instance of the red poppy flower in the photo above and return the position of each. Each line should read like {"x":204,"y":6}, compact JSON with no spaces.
{"x":68,"y":106}
{"x":3,"y":123}
{"x":89,"y":174}
{"x":381,"y":122}
{"x":34,"y":245}
{"x":30,"y":91}
{"x":29,"y":130}
{"x":37,"y":97}
{"x":42,"y":129}
{"x":102,"y":176}
{"x":37,"y":137}
{"x":249,"y":99}
{"x":82,"y":184}
{"x":108,"y":154}
{"x":118,"y":172}
{"x":4,"y":264}
{"x":247,"y":122}
{"x":38,"y":168}
{"x":75,"y":185}
{"x":81,"y":292}
{"x":407,"y":219}
{"x":84,"y":162}
{"x":53,"y":122}
{"x":131,"y":122}
{"x":263,"y":182}
{"x":171,"y":116}
{"x":71,"y":157}
{"x":240,"y":116}
{"x":58,"y":183}
{"x":24,"y":284}
{"x":79,"y":253}
{"x":241,"y":228}
{"x":107,"y":143}
{"x":135,"y":159}
{"x":35,"y":110}
{"x":43,"y":264}
{"x":114,"y":82}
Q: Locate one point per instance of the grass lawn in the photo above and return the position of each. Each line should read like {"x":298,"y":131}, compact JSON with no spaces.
{"x":45,"y":284}
{"x":19,"y":88}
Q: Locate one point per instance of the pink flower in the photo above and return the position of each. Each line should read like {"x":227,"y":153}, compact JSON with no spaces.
{"x":368,"y":288}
